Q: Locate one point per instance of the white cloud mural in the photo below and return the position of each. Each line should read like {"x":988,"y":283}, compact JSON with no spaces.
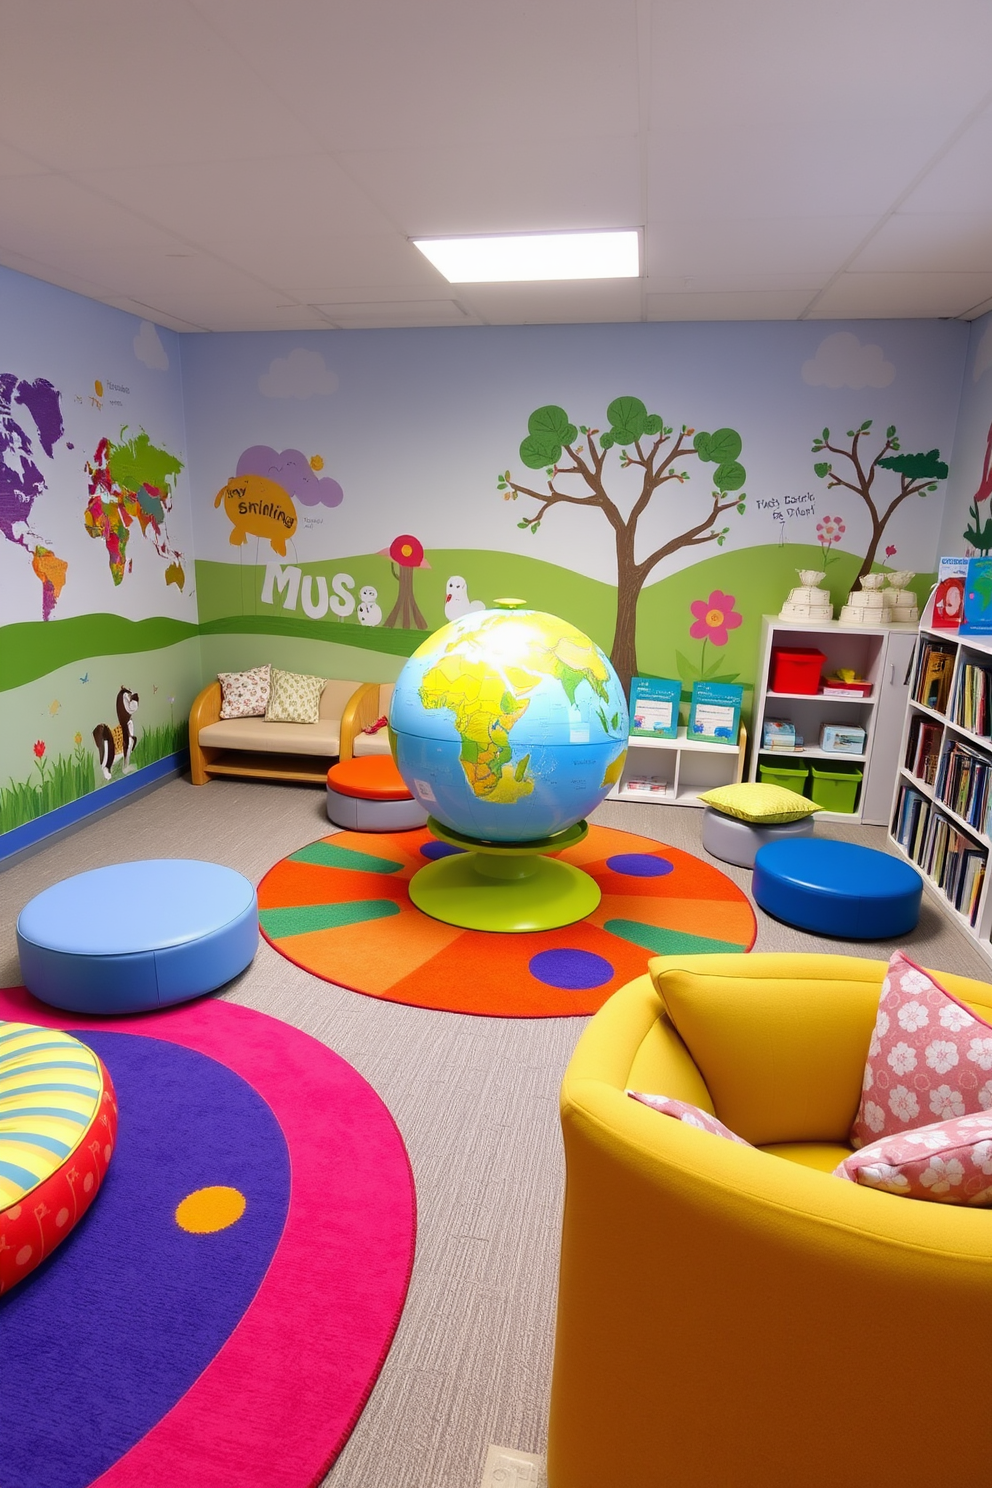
{"x":302,"y":374}
{"x":841,"y":360}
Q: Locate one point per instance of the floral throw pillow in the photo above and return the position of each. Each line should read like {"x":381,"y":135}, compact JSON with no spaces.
{"x":690,"y":1114}
{"x":930,"y":1058}
{"x":294,"y":698}
{"x":948,"y":1162}
{"x":244,"y":694}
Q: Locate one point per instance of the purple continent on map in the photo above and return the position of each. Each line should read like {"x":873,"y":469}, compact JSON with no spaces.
{"x":21,"y":481}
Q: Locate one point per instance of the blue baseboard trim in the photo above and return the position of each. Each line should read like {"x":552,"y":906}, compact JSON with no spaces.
{"x":94,"y":802}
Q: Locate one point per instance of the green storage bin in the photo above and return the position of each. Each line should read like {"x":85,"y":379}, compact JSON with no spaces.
{"x":790,"y":774}
{"x":835,"y":786}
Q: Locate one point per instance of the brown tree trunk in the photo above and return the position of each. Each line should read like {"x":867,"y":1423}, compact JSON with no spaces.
{"x":629,"y":585}
{"x":869,"y":558}
{"x":406,"y":612}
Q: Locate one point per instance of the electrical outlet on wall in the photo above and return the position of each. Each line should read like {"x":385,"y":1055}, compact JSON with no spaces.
{"x":507,"y":1468}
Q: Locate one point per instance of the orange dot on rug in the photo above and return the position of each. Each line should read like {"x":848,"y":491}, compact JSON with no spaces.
{"x":207,"y":1210}
{"x":340,"y":908}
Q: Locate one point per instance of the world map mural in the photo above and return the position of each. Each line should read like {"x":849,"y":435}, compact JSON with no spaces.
{"x":130,"y":488}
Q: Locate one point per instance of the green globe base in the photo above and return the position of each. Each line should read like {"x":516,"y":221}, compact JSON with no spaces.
{"x":510,"y":888}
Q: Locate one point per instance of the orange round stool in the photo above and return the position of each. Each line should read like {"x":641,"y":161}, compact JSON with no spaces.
{"x":369,"y":795}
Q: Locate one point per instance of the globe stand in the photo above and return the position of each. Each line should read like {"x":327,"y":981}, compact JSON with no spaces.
{"x":510,"y":887}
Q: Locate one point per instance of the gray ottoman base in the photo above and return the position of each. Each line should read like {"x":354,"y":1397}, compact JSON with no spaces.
{"x":734,"y":841}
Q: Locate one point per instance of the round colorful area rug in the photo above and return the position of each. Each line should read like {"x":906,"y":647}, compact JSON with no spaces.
{"x":341,"y":909}
{"x":220,"y":1314}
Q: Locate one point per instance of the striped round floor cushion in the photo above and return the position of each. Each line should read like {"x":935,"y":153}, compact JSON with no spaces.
{"x":58,"y":1127}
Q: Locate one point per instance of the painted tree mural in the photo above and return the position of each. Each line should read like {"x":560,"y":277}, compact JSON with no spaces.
{"x":407,"y":554}
{"x":977,"y":532}
{"x":918,"y":476}
{"x":577,"y":476}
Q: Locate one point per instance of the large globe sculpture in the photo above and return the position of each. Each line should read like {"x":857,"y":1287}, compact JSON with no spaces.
{"x":509,"y":725}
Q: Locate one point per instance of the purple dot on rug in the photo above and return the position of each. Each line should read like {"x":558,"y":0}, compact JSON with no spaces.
{"x":571,"y":970}
{"x":640,"y":865}
{"x":434,"y":850}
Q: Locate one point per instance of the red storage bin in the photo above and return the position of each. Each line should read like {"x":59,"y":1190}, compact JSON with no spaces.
{"x":796,"y":669}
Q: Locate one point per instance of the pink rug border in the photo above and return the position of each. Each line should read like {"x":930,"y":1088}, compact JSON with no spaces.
{"x":277,"y":1403}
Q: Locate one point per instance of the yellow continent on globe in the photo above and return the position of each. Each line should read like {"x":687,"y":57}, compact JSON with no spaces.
{"x":487,"y":699}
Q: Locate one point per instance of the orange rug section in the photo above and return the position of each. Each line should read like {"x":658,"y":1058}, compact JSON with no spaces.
{"x":340,"y":908}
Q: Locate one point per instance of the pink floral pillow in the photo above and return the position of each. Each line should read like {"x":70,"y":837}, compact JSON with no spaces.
{"x":244,"y":694}
{"x":930,"y":1057}
{"x":948,"y":1162}
{"x":691,"y":1115}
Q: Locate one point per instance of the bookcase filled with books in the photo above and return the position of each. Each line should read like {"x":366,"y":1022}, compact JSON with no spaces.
{"x":942,"y":808}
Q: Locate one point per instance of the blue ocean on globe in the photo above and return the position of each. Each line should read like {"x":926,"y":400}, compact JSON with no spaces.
{"x":509,"y":725}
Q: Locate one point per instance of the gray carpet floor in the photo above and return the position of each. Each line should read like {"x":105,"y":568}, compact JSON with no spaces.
{"x":476,"y":1102}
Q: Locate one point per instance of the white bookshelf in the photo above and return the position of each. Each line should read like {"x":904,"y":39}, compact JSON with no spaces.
{"x":965,"y":648}
{"x":879,"y":653}
{"x":687,"y":767}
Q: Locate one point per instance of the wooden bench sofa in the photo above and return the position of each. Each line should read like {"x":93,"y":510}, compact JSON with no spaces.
{"x":263,"y":750}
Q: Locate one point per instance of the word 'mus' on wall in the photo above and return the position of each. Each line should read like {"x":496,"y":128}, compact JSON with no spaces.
{"x":310,"y":590}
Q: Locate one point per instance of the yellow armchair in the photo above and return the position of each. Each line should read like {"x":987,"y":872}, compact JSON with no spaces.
{"x":736,"y":1318}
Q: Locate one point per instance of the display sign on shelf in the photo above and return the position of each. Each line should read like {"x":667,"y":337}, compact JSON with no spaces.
{"x":654,"y":707}
{"x":715,"y":712}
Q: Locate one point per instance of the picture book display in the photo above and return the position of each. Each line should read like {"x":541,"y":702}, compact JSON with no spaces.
{"x":715,"y":712}
{"x":654,"y":707}
{"x":976,"y":618}
{"x":948,"y":599}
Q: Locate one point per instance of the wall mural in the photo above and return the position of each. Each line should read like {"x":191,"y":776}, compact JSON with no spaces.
{"x":95,"y":532}
{"x":642,"y":440}
{"x":918,"y":476}
{"x":155,"y":530}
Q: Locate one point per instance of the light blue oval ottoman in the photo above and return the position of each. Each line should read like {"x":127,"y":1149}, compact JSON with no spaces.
{"x":837,"y":888}
{"x":135,"y":936}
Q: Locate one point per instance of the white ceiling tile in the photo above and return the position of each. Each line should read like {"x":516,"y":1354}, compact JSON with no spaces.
{"x":379,"y":314}
{"x":733,"y":305}
{"x":814,"y":246}
{"x":327,"y":261}
{"x":580,"y":301}
{"x":888,"y":296}
{"x":15,"y":162}
{"x":133,"y":82}
{"x":929,"y":242}
{"x":379,"y":74}
{"x":290,"y":196}
{"x":491,"y":188}
{"x":960,"y":181}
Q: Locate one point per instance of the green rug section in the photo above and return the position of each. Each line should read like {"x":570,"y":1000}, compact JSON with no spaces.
{"x":300,"y":919}
{"x":667,"y":942}
{"x":326,"y":855}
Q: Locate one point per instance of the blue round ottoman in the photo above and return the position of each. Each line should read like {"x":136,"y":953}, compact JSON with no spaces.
{"x":837,"y":888}
{"x":134,"y":936}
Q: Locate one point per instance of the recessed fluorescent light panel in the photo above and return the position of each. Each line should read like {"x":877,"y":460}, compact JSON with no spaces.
{"x":584,"y":255}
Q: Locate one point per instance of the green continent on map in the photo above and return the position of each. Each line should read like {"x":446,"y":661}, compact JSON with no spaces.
{"x":484,"y":711}
{"x":131,"y":483}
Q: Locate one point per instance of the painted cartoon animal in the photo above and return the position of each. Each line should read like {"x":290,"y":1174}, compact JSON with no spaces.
{"x":369,"y":612}
{"x":254,"y":504}
{"x":456,"y":600}
{"x":114,"y":743}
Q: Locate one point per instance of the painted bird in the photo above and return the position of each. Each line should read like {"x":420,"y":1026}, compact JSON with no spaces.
{"x":456,"y":600}
{"x":369,"y":612}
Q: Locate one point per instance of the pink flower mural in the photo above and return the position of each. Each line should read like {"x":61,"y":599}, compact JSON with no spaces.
{"x":829,"y":532}
{"x":714,"y":618}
